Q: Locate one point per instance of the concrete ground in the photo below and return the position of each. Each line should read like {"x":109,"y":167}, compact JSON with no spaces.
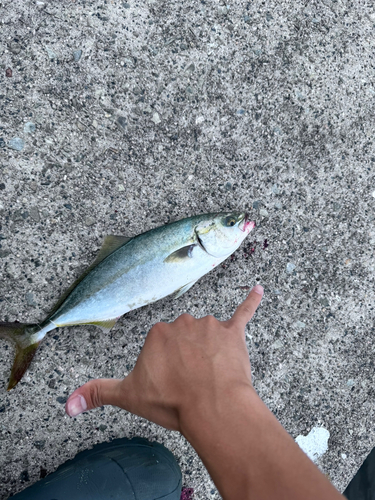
{"x":116,"y":117}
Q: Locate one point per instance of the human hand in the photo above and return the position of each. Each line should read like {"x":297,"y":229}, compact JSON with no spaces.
{"x":182,"y":364}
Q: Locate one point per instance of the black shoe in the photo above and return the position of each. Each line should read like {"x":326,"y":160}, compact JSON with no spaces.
{"x":121,"y":470}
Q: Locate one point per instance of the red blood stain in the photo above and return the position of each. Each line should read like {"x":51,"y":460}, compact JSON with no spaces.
{"x":9,"y":73}
{"x":187,"y":494}
{"x":249,"y":249}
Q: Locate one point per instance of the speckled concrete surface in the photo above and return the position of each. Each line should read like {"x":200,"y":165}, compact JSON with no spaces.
{"x":117,"y":117}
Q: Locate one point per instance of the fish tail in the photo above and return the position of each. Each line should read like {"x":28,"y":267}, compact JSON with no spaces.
{"x":26,"y":345}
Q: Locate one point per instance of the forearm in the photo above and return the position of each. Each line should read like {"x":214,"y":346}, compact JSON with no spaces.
{"x":248,"y":453}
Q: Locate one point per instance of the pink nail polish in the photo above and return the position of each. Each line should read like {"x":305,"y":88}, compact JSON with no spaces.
{"x":76,"y":405}
{"x":258,"y":289}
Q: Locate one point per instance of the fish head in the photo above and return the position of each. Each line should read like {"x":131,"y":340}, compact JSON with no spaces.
{"x":221,"y":234}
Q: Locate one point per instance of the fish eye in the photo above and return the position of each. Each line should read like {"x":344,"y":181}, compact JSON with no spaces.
{"x":229,"y":221}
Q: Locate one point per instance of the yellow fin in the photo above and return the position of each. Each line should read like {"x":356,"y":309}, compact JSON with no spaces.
{"x":110,"y":244}
{"x":104,"y":325}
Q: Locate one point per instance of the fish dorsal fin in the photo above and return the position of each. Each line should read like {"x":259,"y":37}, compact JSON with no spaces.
{"x":181,"y":254}
{"x":184,"y":289}
{"x":110,"y":244}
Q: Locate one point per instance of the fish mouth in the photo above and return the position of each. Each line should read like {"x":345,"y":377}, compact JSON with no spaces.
{"x":246,"y":225}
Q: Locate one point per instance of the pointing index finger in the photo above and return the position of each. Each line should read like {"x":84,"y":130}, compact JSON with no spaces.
{"x":246,"y":310}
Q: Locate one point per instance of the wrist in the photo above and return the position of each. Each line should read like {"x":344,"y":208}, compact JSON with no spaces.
{"x":208,"y":412}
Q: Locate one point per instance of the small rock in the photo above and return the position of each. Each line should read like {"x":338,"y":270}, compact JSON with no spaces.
{"x":373,"y":193}
{"x":156,"y":118}
{"x":29,"y":127}
{"x":30,"y":299}
{"x":62,"y":399}
{"x":290,"y":267}
{"x":190,"y":67}
{"x":275,"y":189}
{"x":324,"y":301}
{"x":24,"y":476}
{"x":125,"y":5}
{"x":81,"y":126}
{"x":199,"y":119}
{"x":33,"y":186}
{"x":16,"y":143}
{"x":39,"y":444}
{"x":4,"y":253}
{"x":89,"y":221}
{"x":9,"y":72}
{"x":300,"y":324}
{"x":278,"y":205}
{"x":2,"y":142}
{"x":350,"y":382}
{"x":102,"y":427}
{"x":223,"y":10}
{"x":121,"y":121}
{"x":121,"y":187}
{"x":228,"y":186}
{"x":240,"y":112}
{"x":277,"y":344}
{"x":95,"y":124}
{"x":344,"y":456}
{"x":14,"y":47}
{"x":52,"y":383}
{"x":34,"y":214}
{"x":19,"y":215}
{"x":263,"y":212}
{"x":77,"y":55}
{"x":2,"y":186}
{"x":51,"y":53}
{"x":256,"y":204}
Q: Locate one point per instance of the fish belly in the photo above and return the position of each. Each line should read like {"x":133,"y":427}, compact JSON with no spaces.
{"x":141,"y":285}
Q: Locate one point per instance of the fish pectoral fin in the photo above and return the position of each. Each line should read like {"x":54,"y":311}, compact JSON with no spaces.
{"x":184,"y":289}
{"x":106,"y":325}
{"x":181,"y":254}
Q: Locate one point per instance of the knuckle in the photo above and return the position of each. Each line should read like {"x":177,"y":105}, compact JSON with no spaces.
{"x":210,"y":320}
{"x":96,"y":394}
{"x":157,"y":328}
{"x":186,"y":317}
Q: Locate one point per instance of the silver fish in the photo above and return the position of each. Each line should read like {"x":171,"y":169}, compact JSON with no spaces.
{"x":132,"y":272}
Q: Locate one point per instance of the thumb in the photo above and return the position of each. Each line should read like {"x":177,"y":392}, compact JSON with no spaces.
{"x":104,"y":391}
{"x":246,"y":310}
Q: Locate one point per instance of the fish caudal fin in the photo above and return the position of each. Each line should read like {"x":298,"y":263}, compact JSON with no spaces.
{"x":26,"y":346}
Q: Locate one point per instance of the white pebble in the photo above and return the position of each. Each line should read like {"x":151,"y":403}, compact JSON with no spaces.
{"x":290,"y":267}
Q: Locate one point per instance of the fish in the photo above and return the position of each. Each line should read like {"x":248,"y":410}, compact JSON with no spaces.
{"x":129,"y":273}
